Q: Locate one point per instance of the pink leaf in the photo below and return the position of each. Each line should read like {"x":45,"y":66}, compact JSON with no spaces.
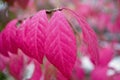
{"x":116,"y":77}
{"x":60,"y":45}
{"x":106,"y":54}
{"x":37,"y":72}
{"x":78,"y":72}
{"x":90,"y":40}
{"x":2,"y":49}
{"x":89,"y":37}
{"x":99,"y":73}
{"x":33,"y":35}
{"x":3,"y":62}
{"x":9,"y":37}
{"x":60,"y":76}
{"x":0,"y":42}
{"x":20,"y":34}
{"x":16,"y":66}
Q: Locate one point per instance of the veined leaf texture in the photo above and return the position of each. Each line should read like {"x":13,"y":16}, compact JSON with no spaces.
{"x":89,"y":37}
{"x":60,"y":45}
{"x":8,"y":41}
{"x":33,"y":36}
{"x":38,"y":37}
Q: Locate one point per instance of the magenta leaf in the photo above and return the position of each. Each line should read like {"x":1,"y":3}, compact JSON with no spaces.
{"x":89,"y":37}
{"x":20,"y":34}
{"x":9,"y":37}
{"x":106,"y":55}
{"x":99,"y":73}
{"x":90,"y":40}
{"x":78,"y":71}
{"x":37,"y":72}
{"x":116,"y":77}
{"x":60,"y":45}
{"x":33,"y":34}
{"x":2,"y":49}
{"x":30,"y":68}
{"x":16,"y":66}
{"x":3,"y":62}
{"x":60,"y":76}
{"x":0,"y":42}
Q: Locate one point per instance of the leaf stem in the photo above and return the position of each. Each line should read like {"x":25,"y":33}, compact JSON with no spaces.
{"x":53,"y":10}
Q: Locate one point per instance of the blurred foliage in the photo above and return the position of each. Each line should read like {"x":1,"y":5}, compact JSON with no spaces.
{"x":2,"y":76}
{"x":5,"y":14}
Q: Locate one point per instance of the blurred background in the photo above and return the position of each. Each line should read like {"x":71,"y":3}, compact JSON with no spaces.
{"x":102,"y":15}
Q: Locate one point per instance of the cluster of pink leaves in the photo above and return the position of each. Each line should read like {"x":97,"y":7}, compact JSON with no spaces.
{"x":105,"y":18}
{"x":38,"y":37}
{"x":101,"y":72}
{"x":103,"y":15}
{"x":17,"y":66}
